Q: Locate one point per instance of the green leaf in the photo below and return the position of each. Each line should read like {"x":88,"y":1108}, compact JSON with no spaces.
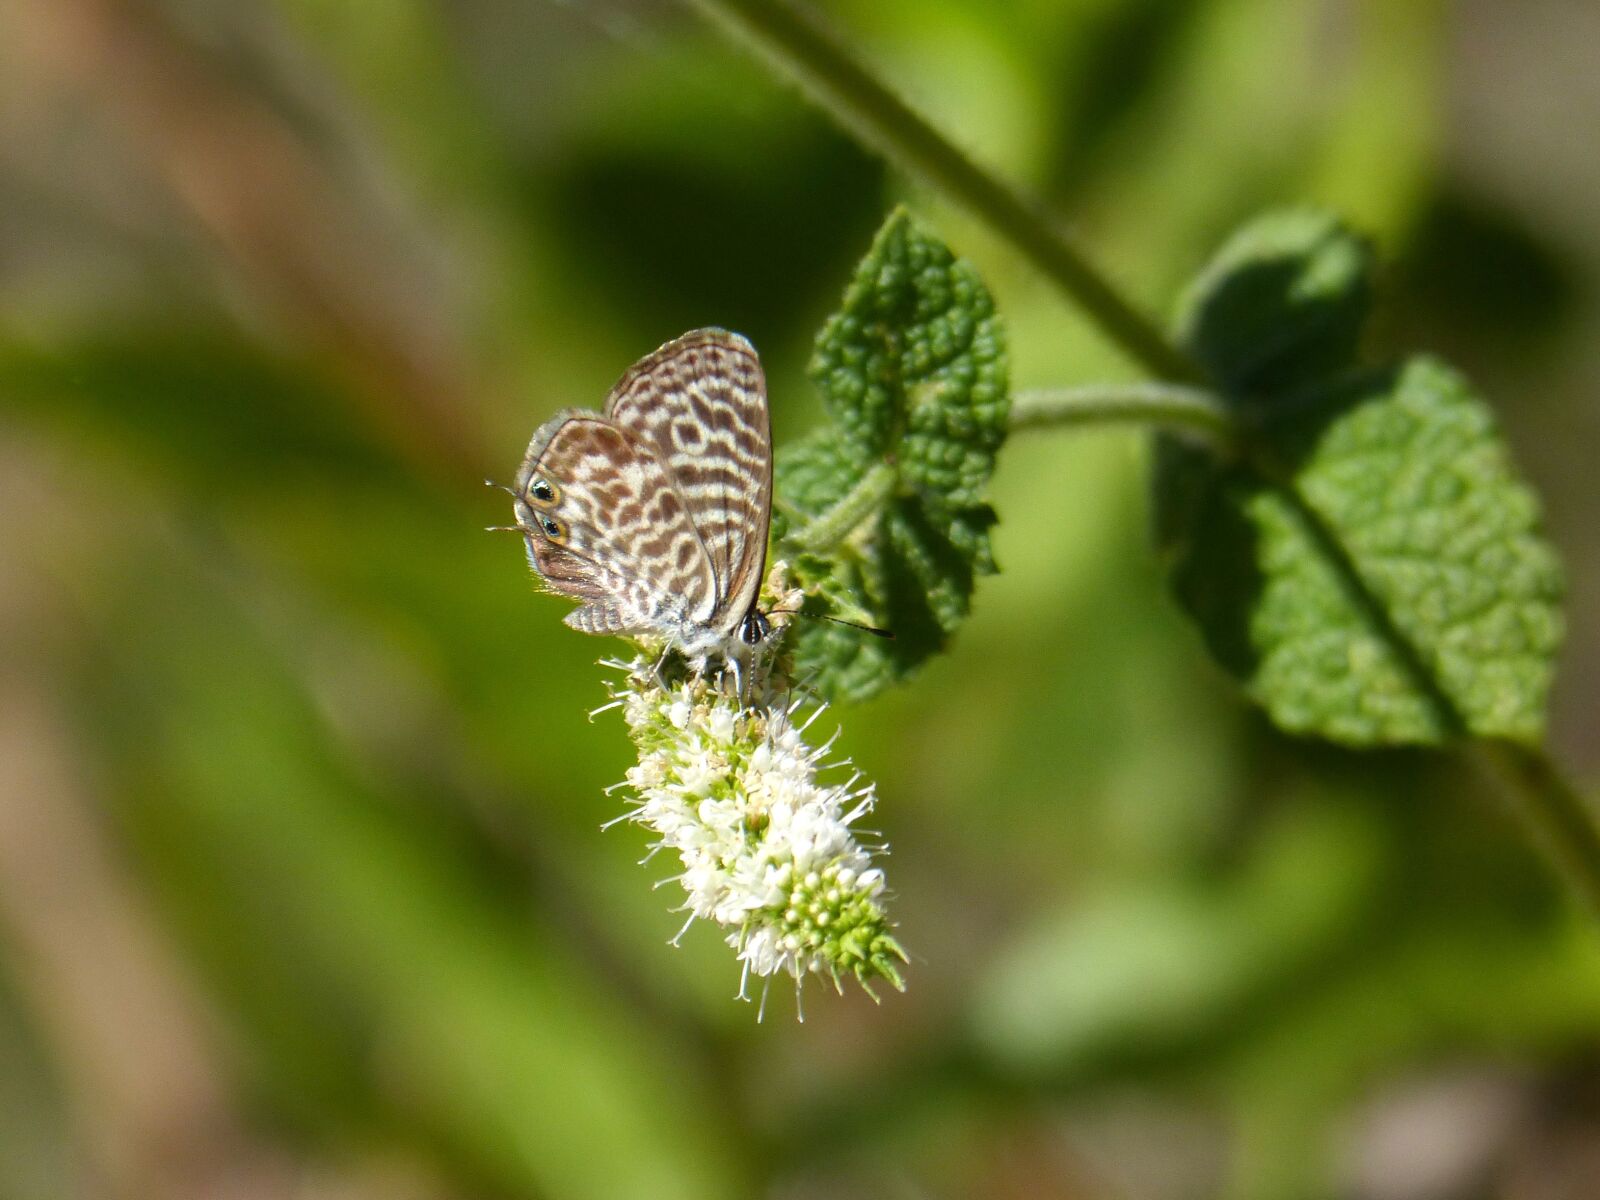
{"x":1280,"y":304}
{"x":881,"y":514}
{"x":1369,"y":562}
{"x":1372,"y":566}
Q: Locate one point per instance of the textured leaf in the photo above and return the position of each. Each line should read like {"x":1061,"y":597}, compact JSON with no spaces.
{"x":1373,"y":569}
{"x":1280,"y":304}
{"x":912,"y":370}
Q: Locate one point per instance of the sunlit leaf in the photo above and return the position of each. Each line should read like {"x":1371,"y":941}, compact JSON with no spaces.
{"x":1366,"y":558}
{"x":913,"y":372}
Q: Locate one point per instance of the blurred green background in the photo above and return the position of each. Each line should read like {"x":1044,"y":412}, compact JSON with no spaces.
{"x":302,"y":891}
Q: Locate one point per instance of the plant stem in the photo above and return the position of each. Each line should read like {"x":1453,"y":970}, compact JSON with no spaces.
{"x":795,"y":41}
{"x":1164,"y":405}
{"x":1563,"y":823}
{"x":868,"y":496}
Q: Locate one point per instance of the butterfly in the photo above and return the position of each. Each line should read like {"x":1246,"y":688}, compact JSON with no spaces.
{"x":655,"y":512}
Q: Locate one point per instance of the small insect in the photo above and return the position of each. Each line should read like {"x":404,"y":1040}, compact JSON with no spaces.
{"x":655,"y":513}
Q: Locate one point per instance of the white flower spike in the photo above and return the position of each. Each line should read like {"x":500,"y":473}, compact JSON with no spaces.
{"x":768,"y":850}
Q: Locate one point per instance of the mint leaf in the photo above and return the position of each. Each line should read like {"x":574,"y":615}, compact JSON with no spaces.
{"x":881,"y":514}
{"x":1372,"y":567}
{"x":1280,"y":304}
{"x":1368,"y":562}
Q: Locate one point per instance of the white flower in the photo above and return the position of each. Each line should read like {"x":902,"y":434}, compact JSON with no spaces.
{"x":767,"y":848}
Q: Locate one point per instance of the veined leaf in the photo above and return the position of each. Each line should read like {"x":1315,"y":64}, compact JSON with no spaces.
{"x":883,"y":510}
{"x":1367,"y":561}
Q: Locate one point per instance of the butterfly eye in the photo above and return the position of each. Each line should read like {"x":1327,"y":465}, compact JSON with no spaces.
{"x":543,"y":491}
{"x":553,"y":529}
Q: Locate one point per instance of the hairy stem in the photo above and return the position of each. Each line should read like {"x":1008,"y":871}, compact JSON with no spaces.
{"x":794,"y":40}
{"x":1171,"y":406}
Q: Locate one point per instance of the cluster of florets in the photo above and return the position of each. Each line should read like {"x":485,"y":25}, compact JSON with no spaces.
{"x":768,"y":851}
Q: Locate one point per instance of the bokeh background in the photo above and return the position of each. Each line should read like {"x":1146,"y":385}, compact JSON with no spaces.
{"x":302,"y":888}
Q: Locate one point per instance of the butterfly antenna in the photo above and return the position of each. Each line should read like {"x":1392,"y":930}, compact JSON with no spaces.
{"x":886,"y":634}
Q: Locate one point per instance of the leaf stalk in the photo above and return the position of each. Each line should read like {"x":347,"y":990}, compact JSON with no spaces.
{"x":1177,"y":407}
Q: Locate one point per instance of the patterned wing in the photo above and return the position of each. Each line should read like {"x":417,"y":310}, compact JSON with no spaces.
{"x":701,"y":403}
{"x":606,"y":525}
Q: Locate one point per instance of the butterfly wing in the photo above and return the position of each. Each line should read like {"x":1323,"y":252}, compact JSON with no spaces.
{"x":700,"y":402}
{"x":605,"y":524}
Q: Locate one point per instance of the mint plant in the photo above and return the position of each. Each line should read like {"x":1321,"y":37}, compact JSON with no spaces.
{"x":1352,"y":539}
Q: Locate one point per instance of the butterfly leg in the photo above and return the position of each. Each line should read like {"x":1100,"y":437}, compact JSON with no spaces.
{"x":661,"y":680}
